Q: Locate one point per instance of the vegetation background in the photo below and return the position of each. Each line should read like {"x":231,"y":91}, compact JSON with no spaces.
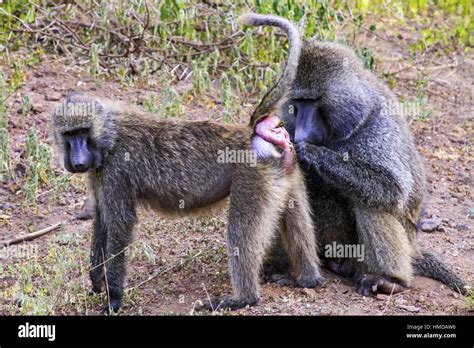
{"x":188,"y":60}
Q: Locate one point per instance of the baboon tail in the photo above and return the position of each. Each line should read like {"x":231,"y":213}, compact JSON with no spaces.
{"x":278,"y":91}
{"x":428,"y":265}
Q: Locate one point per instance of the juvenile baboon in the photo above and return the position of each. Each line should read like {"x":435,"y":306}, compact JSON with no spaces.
{"x":174,"y":167}
{"x":365,"y":177}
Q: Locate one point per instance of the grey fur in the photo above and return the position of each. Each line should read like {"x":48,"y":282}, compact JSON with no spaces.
{"x":366,"y":180}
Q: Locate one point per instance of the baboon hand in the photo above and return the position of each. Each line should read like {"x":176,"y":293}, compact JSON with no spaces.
{"x":217,"y":303}
{"x":306,"y":152}
{"x":373,"y":284}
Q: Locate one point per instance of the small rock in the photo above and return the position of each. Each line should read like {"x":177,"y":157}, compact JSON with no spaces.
{"x":382,"y":297}
{"x":462,"y":227}
{"x":53,"y":96}
{"x":455,"y":295}
{"x":420,"y":298}
{"x":411,"y":309}
{"x":430,"y":225}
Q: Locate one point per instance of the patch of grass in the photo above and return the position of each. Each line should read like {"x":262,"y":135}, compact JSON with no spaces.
{"x":367,"y":58}
{"x":39,"y":172}
{"x":26,"y":106}
{"x":171,"y":104}
{"x":5,"y":166}
{"x":51,"y":284}
{"x":469,"y":298}
{"x":228,"y":100}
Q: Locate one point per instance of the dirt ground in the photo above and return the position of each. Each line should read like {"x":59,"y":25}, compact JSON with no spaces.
{"x":190,"y":252}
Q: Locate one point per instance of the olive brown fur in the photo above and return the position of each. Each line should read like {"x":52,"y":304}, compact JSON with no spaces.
{"x":172,"y":166}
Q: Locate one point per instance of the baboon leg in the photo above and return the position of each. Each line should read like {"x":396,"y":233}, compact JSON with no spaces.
{"x":254,"y":214}
{"x":388,"y":254}
{"x":98,"y":249}
{"x":298,"y":236}
{"x":119,"y":236}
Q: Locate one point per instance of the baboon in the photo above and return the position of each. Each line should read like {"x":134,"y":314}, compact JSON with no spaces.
{"x":173,"y":167}
{"x":365,"y":178}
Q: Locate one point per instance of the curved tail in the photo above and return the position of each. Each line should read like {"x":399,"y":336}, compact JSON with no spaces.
{"x":430,"y":266}
{"x":278,"y":91}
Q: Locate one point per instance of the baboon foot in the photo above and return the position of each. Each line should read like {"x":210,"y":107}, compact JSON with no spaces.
{"x":341,"y":267}
{"x":373,"y":284}
{"x":310,"y":281}
{"x":114,"y":304}
{"x":224,"y":303}
{"x":280,"y":279}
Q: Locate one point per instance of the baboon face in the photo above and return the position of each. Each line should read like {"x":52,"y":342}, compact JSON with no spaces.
{"x":311,"y":124}
{"x":80,"y":154}
{"x":79,"y":129}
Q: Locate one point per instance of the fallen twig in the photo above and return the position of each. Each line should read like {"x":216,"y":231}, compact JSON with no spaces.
{"x":31,"y":236}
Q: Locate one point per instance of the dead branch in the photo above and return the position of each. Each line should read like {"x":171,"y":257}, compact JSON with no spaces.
{"x":31,"y":236}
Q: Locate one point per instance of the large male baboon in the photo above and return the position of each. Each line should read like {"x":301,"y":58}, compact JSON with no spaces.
{"x":174,"y":167}
{"x":365,"y":177}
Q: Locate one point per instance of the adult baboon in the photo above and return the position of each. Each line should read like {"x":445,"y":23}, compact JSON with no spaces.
{"x":174,"y":167}
{"x":365,"y":177}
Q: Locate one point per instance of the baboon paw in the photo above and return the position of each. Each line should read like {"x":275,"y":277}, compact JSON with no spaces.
{"x":305,"y":151}
{"x":112,"y":307}
{"x":281,"y":280}
{"x":225,"y":303}
{"x":373,"y":284}
{"x":310,"y":281}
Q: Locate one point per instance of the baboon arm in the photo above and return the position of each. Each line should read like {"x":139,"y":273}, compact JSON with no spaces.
{"x":361,"y":182}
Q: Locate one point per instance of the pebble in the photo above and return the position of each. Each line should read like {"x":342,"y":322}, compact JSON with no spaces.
{"x":420,"y":298}
{"x":430,"y":225}
{"x":53,"y":96}
{"x":462,"y":227}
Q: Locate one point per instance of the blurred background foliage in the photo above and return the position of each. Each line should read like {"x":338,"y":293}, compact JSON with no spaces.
{"x":134,"y":40}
